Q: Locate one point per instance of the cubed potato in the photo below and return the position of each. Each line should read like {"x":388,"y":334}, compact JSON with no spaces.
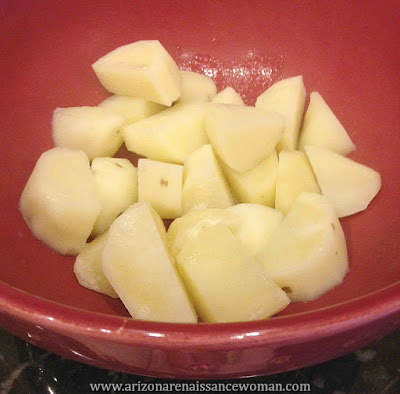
{"x":225,"y":283}
{"x":257,"y":185}
{"x":142,"y":69}
{"x":307,"y":256}
{"x":349,"y":185}
{"x":131,"y":108}
{"x":188,"y":226}
{"x":60,"y":203}
{"x":228,"y":96}
{"x":117,"y":187}
{"x":295,"y":175}
{"x":253,"y":225}
{"x":138,"y":265}
{"x":204,"y":185}
{"x":197,"y":87}
{"x":322,"y":128}
{"x":161,"y":185}
{"x":94,"y":130}
{"x":287,"y":97}
{"x":88,"y":267}
{"x":242,"y":136}
{"x":169,"y":136}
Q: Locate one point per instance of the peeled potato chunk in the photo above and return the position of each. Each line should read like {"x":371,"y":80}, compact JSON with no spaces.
{"x":253,"y":225}
{"x":142,"y":69}
{"x":131,"y":108}
{"x":322,"y":128}
{"x":286,"y":97}
{"x":307,"y":254}
{"x":257,"y":185}
{"x":197,"y":87}
{"x":170,"y":135}
{"x":349,"y":185}
{"x":295,"y":175}
{"x":117,"y":187}
{"x":161,"y":185}
{"x":88,"y":267}
{"x":137,"y":263}
{"x":94,"y":130}
{"x":60,"y":203}
{"x":228,"y":96}
{"x":242,"y":136}
{"x":204,"y":185}
{"x":189,"y":225}
{"x":225,"y":283}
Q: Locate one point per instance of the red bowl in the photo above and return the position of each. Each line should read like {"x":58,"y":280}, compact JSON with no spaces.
{"x":349,"y":51}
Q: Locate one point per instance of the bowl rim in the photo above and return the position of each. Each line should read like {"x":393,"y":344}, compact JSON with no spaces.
{"x":323,"y":322}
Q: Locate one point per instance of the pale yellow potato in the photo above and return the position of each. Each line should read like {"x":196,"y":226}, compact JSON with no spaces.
{"x":137,"y":263}
{"x":197,"y":87}
{"x":88,"y":267}
{"x":189,"y":225}
{"x":117,"y":187}
{"x":253,"y":225}
{"x":225,"y":283}
{"x":349,"y":185}
{"x":170,"y":135}
{"x":295,"y":175}
{"x":204,"y":185}
{"x":242,"y":136}
{"x":131,"y":108}
{"x":307,"y":256}
{"x":287,"y":97}
{"x":142,"y":69}
{"x":60,"y":203}
{"x":94,"y":130}
{"x":257,"y":185}
{"x":228,"y":96}
{"x":322,"y":128}
{"x":161,"y":185}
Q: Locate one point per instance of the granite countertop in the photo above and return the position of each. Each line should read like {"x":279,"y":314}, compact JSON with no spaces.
{"x":26,"y":369}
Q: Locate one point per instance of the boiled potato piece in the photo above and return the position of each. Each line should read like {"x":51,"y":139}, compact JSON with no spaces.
{"x":161,"y":185}
{"x":225,"y":283}
{"x":131,"y":108}
{"x":197,"y":87}
{"x":94,"y":130}
{"x":88,"y":267}
{"x":117,"y":187}
{"x":322,"y":128}
{"x":307,"y":254}
{"x":253,"y":225}
{"x":287,"y":97}
{"x":228,"y":96}
{"x":295,"y":175}
{"x":349,"y":185}
{"x":189,"y":225}
{"x":142,"y":69}
{"x":170,"y":135}
{"x":137,"y":263}
{"x":256,"y":185}
{"x":204,"y":185}
{"x":242,"y":136}
{"x":60,"y":203}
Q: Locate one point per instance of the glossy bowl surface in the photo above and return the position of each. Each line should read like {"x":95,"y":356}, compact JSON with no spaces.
{"x":349,"y":51}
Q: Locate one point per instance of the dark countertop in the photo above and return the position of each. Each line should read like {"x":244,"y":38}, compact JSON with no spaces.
{"x":25,"y":368}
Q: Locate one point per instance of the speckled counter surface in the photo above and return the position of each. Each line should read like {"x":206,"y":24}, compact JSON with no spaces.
{"x":27,"y":369}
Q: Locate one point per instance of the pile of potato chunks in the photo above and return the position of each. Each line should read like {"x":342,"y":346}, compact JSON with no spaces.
{"x":256,"y":192}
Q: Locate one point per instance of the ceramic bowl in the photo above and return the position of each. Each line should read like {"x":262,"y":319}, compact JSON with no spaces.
{"x":349,"y":51}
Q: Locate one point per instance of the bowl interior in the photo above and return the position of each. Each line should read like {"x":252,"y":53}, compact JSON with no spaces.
{"x":347,"y":51}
